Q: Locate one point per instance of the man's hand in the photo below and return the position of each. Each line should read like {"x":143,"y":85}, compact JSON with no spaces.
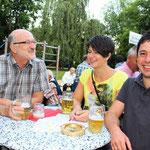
{"x":119,"y":140}
{"x":5,"y":101}
{"x":17,"y":110}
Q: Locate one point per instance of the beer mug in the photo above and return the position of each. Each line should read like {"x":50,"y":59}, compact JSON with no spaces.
{"x":96,"y":118}
{"x":67,"y":102}
{"x":38,"y":110}
{"x":26,"y":104}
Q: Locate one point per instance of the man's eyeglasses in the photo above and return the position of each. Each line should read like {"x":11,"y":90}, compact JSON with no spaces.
{"x":26,"y":42}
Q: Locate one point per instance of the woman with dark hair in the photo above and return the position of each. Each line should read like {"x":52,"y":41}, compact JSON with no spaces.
{"x":102,"y":81}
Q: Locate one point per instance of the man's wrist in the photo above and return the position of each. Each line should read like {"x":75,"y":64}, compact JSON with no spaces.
{"x":5,"y":101}
{"x":4,"y":110}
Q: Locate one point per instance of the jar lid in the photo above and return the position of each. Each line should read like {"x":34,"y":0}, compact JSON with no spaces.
{"x":73,"y":129}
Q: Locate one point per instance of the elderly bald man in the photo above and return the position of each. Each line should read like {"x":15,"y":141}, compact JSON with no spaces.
{"x":21,"y":73}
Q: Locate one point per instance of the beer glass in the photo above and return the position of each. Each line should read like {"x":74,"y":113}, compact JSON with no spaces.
{"x":96,"y":118}
{"x":26,"y":104}
{"x":67,"y":102}
{"x":38,"y":110}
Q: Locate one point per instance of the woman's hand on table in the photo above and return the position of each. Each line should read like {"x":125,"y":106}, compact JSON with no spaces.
{"x":81,"y":115}
{"x":73,"y":113}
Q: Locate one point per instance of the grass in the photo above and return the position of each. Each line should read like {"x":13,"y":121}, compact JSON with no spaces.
{"x":60,"y":73}
{"x":3,"y":148}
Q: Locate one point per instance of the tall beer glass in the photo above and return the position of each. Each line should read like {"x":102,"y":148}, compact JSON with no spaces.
{"x":67,"y":102}
{"x":96,"y":118}
{"x":26,"y":104}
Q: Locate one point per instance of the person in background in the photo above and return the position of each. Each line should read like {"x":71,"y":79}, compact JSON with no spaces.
{"x":51,"y":95}
{"x":134,"y":100}
{"x":107,"y":80}
{"x":119,"y":61}
{"x":80,"y":68}
{"x":68,"y":79}
{"x":21,"y":73}
{"x":130,"y":66}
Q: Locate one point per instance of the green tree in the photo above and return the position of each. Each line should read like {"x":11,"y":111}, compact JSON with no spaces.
{"x":134,"y":18}
{"x":68,"y":22}
{"x":131,"y":15}
{"x":65,"y":23}
{"x":43,"y":31}
{"x":16,"y":14}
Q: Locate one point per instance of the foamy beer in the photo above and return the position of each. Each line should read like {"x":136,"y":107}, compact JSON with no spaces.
{"x":27,"y":109}
{"x":26,"y":104}
{"x":67,"y":103}
{"x":96,"y":118}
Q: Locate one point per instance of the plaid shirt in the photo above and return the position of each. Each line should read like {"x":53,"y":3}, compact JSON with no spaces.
{"x":80,"y":68}
{"x":15,"y":82}
{"x":51,"y":94}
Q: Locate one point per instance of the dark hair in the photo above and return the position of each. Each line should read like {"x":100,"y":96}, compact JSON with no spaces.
{"x":10,"y":39}
{"x":84,"y":57}
{"x":144,"y":38}
{"x":102,"y":44}
{"x":119,"y":58}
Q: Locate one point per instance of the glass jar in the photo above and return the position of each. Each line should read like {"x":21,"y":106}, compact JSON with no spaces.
{"x":38,"y":110}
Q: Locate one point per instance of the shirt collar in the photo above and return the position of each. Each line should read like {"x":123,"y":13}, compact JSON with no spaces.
{"x":13,"y":61}
{"x":139,"y":80}
{"x":128,"y":69}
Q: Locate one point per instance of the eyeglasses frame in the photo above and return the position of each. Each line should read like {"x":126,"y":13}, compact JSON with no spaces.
{"x":26,"y":42}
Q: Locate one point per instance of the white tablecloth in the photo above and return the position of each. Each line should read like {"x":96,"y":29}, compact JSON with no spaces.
{"x":24,"y":135}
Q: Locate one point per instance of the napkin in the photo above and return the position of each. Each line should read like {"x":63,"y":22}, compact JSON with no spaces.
{"x":48,"y":113}
{"x":54,"y":123}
